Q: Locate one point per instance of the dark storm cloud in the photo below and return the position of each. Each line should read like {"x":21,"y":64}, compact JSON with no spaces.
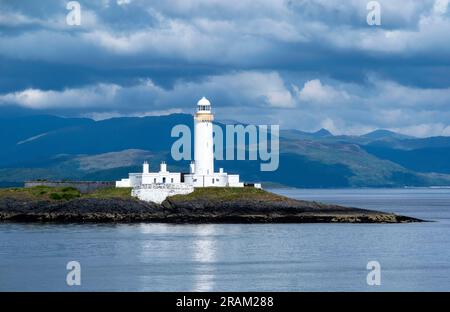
{"x":299,"y":63}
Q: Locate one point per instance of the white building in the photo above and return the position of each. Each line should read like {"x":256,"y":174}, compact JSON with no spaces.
{"x":146,"y":177}
{"x":156,"y":186}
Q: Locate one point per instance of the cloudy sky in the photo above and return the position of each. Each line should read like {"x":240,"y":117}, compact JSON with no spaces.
{"x":303,"y":64}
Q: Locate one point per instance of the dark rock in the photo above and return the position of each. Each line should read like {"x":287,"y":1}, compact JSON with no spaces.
{"x":279,"y":210}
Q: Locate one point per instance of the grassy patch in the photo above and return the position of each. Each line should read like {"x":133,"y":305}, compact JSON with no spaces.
{"x":68,"y":193}
{"x":111,"y":192}
{"x":227,"y":193}
{"x":62,"y":193}
{"x":41,"y":192}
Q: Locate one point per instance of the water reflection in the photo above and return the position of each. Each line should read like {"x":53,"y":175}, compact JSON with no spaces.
{"x":156,"y":249}
{"x":154,"y":228}
{"x":181,"y":256}
{"x":204,"y":254}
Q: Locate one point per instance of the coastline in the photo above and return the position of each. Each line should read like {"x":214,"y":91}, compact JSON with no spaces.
{"x":206,"y":205}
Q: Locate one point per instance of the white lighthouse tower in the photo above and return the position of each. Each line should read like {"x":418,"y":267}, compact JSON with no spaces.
{"x":157,"y":186}
{"x":202,"y":170}
{"x":203,"y":139}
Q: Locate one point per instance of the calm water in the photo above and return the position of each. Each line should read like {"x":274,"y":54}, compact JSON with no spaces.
{"x":284,"y":257}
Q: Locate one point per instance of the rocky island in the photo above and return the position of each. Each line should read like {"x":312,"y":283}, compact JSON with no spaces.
{"x":204,"y":205}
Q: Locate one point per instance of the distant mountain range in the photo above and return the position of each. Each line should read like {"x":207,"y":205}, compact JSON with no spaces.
{"x":49,"y":147}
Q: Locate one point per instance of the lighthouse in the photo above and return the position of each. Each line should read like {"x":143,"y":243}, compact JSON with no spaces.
{"x":203,"y":139}
{"x":157,"y":186}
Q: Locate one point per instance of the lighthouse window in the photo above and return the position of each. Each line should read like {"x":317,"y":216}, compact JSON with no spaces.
{"x":204,"y":107}
{"x":171,"y":180}
{"x":164,"y":180}
{"x":154,"y":180}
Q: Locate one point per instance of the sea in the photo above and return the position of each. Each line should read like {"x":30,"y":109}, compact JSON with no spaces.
{"x":241,"y":257}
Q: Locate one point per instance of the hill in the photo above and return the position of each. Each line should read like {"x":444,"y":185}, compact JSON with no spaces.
{"x":49,"y":147}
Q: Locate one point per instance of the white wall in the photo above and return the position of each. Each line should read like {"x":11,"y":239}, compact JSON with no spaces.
{"x":157,"y":193}
{"x":123,"y":183}
{"x":135,"y":179}
{"x":233,"y":181}
{"x":158,"y":177}
{"x":218,"y":180}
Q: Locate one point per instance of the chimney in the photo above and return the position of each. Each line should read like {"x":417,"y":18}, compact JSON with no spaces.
{"x":163,"y":167}
{"x":192,"y":167}
{"x":145,"y":167}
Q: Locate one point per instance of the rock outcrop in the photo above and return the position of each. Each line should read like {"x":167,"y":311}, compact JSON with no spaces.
{"x":260,"y":208}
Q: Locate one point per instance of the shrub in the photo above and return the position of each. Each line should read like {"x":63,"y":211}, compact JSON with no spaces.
{"x":69,"y":189}
{"x":55,"y":196}
{"x":68,"y":196}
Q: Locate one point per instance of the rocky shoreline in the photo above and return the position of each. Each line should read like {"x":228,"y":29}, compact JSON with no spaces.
{"x":263,"y":207}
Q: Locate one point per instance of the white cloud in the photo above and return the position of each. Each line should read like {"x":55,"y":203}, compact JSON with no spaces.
{"x":16,"y":19}
{"x":316,"y":92}
{"x":258,"y":60}
{"x":425,"y":36}
{"x":446,"y":131}
{"x":224,"y":32}
{"x":55,"y":22}
{"x":262,"y":97}
{"x":262,"y":88}
{"x":69,"y":98}
{"x":440,"y":6}
{"x":240,"y":88}
{"x":243,"y":88}
{"x":114,"y":114}
{"x":423,"y":130}
{"x":393,"y":94}
{"x":328,"y":124}
{"x":123,"y":2}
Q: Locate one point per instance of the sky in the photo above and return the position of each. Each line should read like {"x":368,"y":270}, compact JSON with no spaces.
{"x":300,"y":64}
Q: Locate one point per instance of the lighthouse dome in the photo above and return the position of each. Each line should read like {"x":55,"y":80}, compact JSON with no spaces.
{"x":203,"y":102}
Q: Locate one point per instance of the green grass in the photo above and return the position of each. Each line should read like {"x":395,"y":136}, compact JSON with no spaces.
{"x":41,"y":192}
{"x":226,"y":194}
{"x":68,"y":193}
{"x":62,"y":193}
{"x":111,"y":193}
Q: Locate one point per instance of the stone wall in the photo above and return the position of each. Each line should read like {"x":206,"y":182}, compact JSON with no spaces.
{"x":82,"y":186}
